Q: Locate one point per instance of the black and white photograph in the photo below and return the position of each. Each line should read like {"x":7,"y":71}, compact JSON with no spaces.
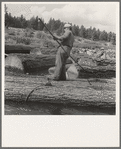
{"x":61,"y":59}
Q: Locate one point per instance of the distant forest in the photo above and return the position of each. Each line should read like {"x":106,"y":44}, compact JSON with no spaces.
{"x":56,"y":26}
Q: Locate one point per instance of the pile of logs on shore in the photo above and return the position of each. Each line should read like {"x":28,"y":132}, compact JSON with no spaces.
{"x":36,"y":61}
{"x":30,"y":62}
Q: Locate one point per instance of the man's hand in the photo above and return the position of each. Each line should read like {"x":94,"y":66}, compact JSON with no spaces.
{"x":55,"y":37}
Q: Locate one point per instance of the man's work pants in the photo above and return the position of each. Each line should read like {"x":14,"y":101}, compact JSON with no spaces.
{"x":61,"y":57}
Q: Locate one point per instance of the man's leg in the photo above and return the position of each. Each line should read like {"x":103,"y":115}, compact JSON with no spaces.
{"x":58,"y":65}
{"x":63,"y":71}
{"x":60,"y":70}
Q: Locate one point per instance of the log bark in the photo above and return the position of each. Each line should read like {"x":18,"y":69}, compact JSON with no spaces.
{"x":78,"y":92}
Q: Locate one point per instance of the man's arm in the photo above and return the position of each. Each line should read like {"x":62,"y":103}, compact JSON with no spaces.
{"x":64,"y":36}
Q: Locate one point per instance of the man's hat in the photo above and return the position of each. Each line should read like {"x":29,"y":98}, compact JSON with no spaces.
{"x":67,"y":25}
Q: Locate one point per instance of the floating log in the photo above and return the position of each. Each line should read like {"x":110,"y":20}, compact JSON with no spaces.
{"x":97,"y":71}
{"x":27,"y":63}
{"x":17,"y":88}
{"x":74,"y":71}
{"x":17,"y":49}
{"x":99,"y":68}
{"x":29,"y":49}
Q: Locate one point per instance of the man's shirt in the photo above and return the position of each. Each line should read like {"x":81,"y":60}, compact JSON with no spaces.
{"x":67,"y":38}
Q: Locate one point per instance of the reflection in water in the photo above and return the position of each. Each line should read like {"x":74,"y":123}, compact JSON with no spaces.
{"x":38,"y":108}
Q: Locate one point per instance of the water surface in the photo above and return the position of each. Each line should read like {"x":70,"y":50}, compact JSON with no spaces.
{"x":38,"y":108}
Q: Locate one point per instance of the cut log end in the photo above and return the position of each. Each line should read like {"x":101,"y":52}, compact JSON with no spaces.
{"x":14,"y":63}
{"x":72,"y":72}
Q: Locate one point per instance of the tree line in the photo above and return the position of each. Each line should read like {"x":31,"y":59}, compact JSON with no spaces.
{"x":56,"y":26}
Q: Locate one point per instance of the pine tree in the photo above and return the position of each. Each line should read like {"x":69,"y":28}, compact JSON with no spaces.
{"x":36,"y":23}
{"x":113,"y":39}
{"x":82,"y":32}
{"x":103,"y":36}
{"x":98,"y":34}
{"x":56,"y":25}
{"x":40,"y":25}
{"x":90,"y":33}
{"x":109,"y":36}
{"x":32,"y":23}
{"x":94,"y":35}
{"x":60,"y":30}
{"x":75,"y":30}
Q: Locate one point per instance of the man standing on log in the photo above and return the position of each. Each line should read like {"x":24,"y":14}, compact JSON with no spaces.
{"x":67,"y":40}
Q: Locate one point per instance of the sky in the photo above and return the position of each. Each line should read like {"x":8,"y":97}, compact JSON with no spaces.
{"x":101,"y":15}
